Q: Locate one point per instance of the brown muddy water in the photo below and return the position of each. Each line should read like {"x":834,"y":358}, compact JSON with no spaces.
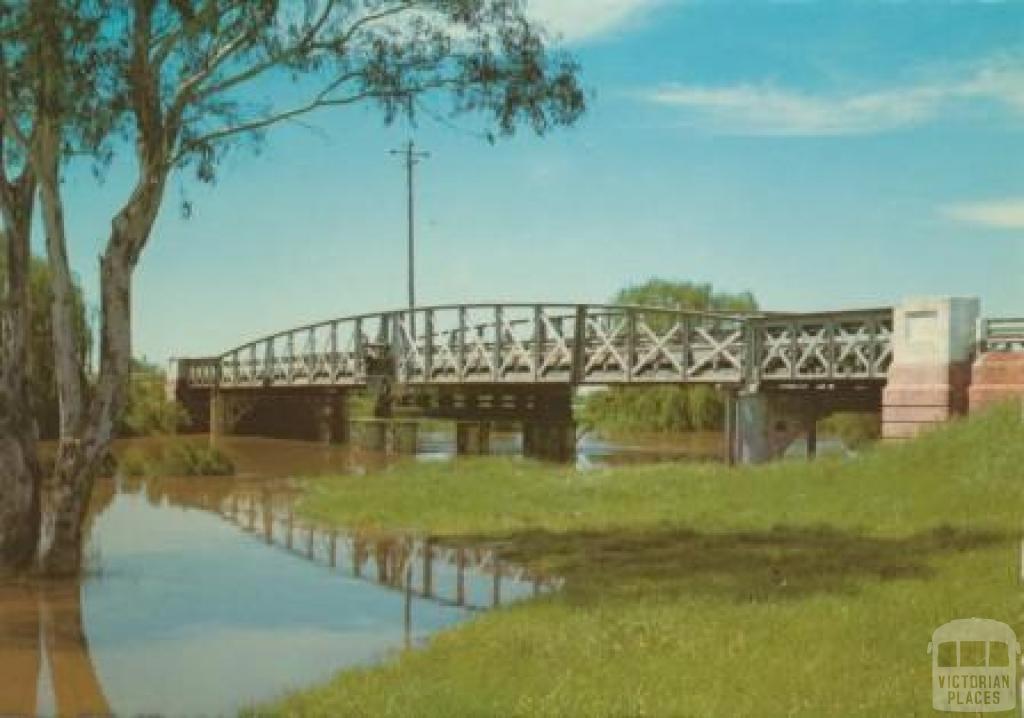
{"x":205,"y":595}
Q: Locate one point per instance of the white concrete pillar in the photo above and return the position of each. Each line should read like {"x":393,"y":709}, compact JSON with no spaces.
{"x":933,"y":342}
{"x":766,"y":424}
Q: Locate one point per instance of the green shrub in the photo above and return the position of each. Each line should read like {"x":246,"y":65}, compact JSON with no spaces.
{"x":149,"y":412}
{"x":855,"y":430}
{"x":176,"y":458}
{"x":184,"y":459}
{"x":133,"y":463}
{"x":660,"y":409}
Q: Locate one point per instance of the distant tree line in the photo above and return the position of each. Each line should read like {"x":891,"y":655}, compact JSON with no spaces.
{"x":147,"y":411}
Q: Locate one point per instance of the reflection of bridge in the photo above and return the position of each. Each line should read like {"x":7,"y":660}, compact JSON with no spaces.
{"x":419,"y":567}
{"x":476,"y":363}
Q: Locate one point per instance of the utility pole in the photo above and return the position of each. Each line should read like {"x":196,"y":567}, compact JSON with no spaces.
{"x":412,"y":158}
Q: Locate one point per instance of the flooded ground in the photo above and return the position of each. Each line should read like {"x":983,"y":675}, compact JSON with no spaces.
{"x":205,"y":595}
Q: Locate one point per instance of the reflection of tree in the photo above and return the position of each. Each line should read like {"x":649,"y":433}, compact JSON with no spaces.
{"x":38,"y":621}
{"x":19,"y":650}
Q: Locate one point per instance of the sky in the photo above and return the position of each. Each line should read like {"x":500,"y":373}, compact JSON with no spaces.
{"x":822,"y":155}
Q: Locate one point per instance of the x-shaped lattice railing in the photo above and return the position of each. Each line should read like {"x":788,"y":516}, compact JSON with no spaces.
{"x":559,"y":351}
{"x":812,"y":341}
{"x":598,"y":356}
{"x":719,"y":349}
{"x":659,"y":349}
{"x":571,"y":343}
{"x":777,"y":343}
{"x":514,"y":351}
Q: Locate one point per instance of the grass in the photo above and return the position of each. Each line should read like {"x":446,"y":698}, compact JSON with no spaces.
{"x":792,"y":589}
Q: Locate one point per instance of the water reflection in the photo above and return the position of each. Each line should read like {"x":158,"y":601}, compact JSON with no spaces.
{"x":43,"y":643}
{"x":258,"y":456}
{"x":206,"y":595}
{"x":420,"y":566}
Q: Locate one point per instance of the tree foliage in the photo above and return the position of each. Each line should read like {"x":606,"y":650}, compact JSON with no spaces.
{"x":148,"y":410}
{"x":42,"y":373}
{"x":686,"y":296}
{"x":168,"y":85}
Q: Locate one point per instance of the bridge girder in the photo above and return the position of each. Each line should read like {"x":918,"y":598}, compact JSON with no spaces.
{"x":569,"y":344}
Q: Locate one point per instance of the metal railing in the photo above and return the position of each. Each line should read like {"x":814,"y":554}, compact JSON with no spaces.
{"x":559,"y":343}
{"x":1001,"y":335}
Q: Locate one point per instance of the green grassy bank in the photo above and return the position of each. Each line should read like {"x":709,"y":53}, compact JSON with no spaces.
{"x":791,"y":589}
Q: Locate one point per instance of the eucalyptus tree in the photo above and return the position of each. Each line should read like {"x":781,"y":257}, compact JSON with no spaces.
{"x":170,"y":86}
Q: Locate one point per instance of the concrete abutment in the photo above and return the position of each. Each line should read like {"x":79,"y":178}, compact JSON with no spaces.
{"x":933,"y":343}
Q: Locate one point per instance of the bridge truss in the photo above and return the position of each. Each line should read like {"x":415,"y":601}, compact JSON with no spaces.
{"x":577,"y":344}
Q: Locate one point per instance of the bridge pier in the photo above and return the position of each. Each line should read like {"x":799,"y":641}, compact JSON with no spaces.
{"x":765,"y":424}
{"x":933,"y":341}
{"x":472,"y":438}
{"x":387,"y":436}
{"x":226,"y":411}
{"x":550,"y":440}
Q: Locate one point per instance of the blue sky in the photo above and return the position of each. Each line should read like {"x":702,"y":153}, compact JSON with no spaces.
{"x":822,"y":155}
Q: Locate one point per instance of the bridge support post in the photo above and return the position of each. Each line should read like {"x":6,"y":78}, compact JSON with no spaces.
{"x":404,"y":437}
{"x":933,"y":342}
{"x":369,"y":434}
{"x":217,"y":409}
{"x":472,"y":438}
{"x":387,"y":436}
{"x":550,"y":440}
{"x":766,"y":424}
{"x":226,"y":410}
{"x":730,"y":451}
{"x":332,"y":419}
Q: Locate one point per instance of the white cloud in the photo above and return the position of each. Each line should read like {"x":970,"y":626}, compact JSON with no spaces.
{"x":765,"y":109}
{"x":576,"y":20}
{"x":998,"y":214}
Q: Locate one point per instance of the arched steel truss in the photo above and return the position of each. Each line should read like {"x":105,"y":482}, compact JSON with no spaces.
{"x":559,"y":343}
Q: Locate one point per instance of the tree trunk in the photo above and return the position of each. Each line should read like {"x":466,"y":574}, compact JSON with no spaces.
{"x":19,"y":465}
{"x":66,"y":497}
{"x":87,"y":424}
{"x":19,"y":487}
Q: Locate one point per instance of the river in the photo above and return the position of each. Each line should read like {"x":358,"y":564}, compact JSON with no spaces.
{"x":204,"y":595}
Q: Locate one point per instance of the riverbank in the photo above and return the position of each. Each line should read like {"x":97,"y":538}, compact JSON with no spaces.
{"x":788,"y":589}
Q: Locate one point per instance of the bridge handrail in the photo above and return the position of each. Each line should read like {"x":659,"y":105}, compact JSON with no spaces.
{"x":576,"y":343}
{"x":1006,"y":333}
{"x":852,"y":313}
{"x":610,"y":308}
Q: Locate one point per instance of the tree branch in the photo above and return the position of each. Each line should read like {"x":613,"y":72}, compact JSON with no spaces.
{"x":306,"y":42}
